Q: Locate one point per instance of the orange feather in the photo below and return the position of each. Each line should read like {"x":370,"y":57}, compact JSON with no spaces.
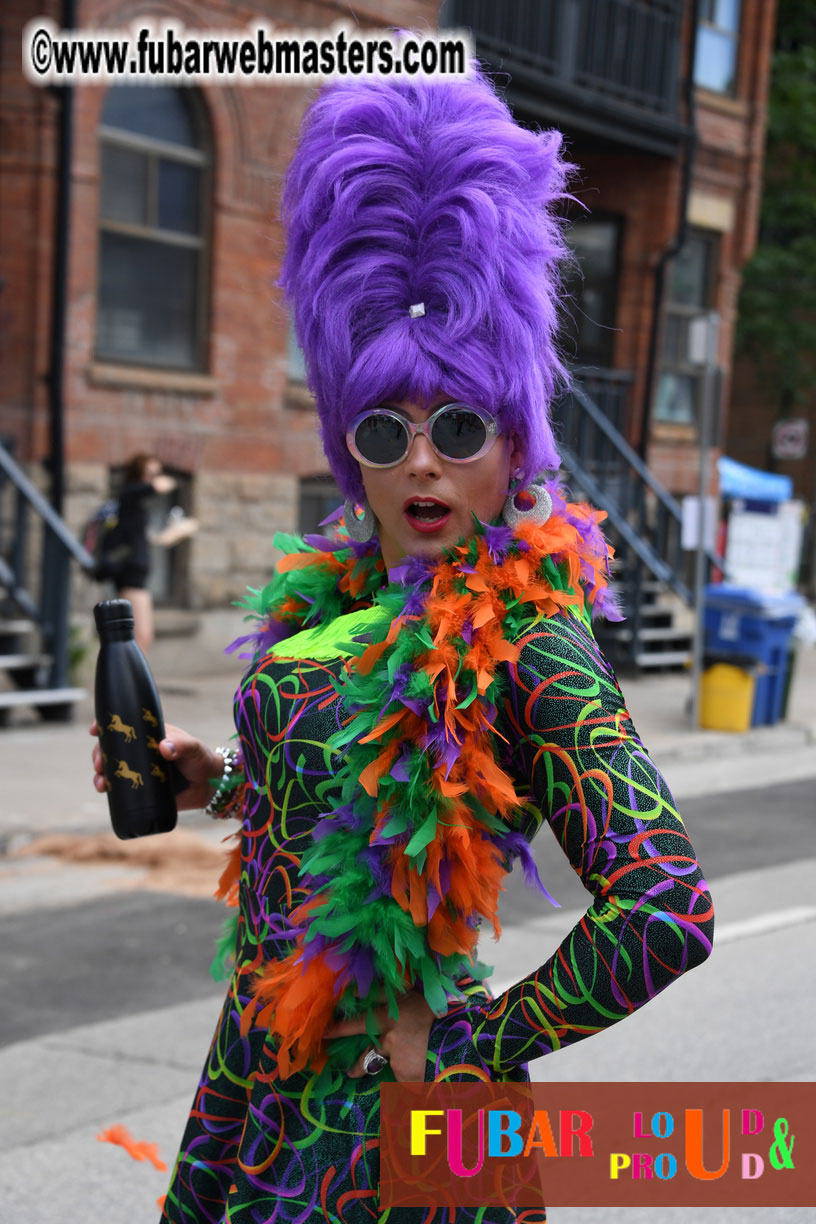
{"x":230,"y":877}
{"x":139,"y":1149}
{"x":381,"y":764}
{"x":296,"y":561}
{"x":370,"y":656}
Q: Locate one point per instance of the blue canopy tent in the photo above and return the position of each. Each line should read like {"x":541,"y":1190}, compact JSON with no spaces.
{"x":751,"y":484}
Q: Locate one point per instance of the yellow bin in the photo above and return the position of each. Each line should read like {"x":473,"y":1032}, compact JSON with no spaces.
{"x":726,"y":698}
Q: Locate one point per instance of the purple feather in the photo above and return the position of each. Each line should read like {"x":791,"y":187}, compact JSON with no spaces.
{"x":415,"y":604}
{"x":334,"y":517}
{"x":315,"y":947}
{"x":399,"y":770}
{"x":499,"y":539}
{"x":380,"y":871}
{"x":264,"y":638}
{"x":519,"y":848}
{"x":362,"y":969}
{"x":413,"y":572}
{"x":323,"y":543}
{"x":446,"y":751}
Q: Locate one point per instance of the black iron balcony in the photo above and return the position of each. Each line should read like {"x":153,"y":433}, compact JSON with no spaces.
{"x":607,"y":69}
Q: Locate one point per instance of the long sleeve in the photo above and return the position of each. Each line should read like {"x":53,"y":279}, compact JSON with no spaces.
{"x":571,"y":742}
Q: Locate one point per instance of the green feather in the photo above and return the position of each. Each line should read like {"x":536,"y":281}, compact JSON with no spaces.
{"x":224,"y":958}
{"x":423,"y":836}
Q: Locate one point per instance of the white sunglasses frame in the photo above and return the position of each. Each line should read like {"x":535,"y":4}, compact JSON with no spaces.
{"x":492,"y":432}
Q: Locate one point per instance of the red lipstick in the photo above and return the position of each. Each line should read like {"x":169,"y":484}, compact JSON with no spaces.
{"x":426,"y":514}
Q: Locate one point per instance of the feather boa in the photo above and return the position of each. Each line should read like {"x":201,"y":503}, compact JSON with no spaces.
{"x":412,"y":855}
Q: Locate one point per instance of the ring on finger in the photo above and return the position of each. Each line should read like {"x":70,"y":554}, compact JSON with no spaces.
{"x":374,"y":1062}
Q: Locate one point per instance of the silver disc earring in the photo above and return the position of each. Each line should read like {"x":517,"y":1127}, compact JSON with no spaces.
{"x":359,"y":529}
{"x":539,"y":512}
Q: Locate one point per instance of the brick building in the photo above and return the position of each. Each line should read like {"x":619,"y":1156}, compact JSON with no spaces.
{"x":618,"y":82}
{"x":176,"y":341}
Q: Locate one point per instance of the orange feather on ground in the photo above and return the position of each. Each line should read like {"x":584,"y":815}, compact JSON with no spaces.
{"x":139,"y":1149}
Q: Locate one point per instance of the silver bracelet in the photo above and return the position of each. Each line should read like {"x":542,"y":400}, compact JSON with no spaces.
{"x":223,"y":790}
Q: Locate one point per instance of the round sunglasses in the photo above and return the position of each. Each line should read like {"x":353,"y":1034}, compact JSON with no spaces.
{"x":381,"y":437}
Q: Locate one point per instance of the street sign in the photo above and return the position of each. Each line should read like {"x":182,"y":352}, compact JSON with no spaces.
{"x":703,"y":336}
{"x":690,"y":524}
{"x":790,"y":438}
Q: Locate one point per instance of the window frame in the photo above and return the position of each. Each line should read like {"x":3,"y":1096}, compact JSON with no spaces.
{"x":572,"y":330}
{"x":316,"y":488}
{"x":154,"y":150}
{"x":296,"y":374}
{"x":734,"y":35}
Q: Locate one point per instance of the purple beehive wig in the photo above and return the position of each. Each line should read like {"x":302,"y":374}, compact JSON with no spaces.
{"x":425,"y":192}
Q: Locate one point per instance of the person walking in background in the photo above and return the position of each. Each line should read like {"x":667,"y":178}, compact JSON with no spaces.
{"x":143,"y":477}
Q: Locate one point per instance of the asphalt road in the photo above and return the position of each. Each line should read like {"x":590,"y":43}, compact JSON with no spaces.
{"x":129,"y":952}
{"x":115,"y":956}
{"x":740,"y":830}
{"x":107,"y":1009}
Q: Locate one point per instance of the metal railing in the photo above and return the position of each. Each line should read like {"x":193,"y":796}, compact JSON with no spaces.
{"x":644,"y":520}
{"x":49,"y":607}
{"x":617,"y":58}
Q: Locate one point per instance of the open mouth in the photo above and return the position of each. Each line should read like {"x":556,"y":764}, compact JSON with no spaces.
{"x":426,"y":513}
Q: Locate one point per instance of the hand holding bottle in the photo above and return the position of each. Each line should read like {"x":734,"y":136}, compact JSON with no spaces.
{"x":193,"y":759}
{"x":141,"y":784}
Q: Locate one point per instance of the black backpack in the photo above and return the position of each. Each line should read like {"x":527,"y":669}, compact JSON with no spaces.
{"x":101,"y":539}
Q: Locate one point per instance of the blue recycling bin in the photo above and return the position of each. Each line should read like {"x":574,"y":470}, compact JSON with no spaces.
{"x":740,"y":621}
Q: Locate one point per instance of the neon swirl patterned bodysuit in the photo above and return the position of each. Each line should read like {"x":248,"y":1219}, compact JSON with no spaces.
{"x":258,"y":1148}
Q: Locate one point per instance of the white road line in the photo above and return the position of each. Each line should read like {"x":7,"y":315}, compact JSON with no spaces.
{"x":762,"y":924}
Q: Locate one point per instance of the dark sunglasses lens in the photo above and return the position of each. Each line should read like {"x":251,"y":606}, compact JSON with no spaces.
{"x":381,"y":439}
{"x":459,"y":433}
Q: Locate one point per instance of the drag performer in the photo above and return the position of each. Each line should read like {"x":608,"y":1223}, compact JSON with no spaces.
{"x":425,"y":689}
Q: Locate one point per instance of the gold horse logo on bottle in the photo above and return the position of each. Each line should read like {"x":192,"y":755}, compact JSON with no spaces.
{"x":116,"y":724}
{"x":123,"y":770}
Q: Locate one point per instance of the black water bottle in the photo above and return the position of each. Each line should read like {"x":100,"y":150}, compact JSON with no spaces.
{"x":141,"y":785}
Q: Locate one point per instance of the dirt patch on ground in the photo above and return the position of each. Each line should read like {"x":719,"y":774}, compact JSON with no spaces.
{"x":178,"y":862}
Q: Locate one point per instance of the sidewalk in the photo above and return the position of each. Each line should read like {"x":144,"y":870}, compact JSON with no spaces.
{"x":47,"y":773}
{"x":47,"y":787}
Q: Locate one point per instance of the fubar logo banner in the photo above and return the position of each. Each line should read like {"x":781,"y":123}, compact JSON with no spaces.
{"x":598,"y":1145}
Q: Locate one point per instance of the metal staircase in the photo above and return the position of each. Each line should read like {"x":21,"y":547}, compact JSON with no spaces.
{"x":34,"y":612}
{"x":644,"y":526}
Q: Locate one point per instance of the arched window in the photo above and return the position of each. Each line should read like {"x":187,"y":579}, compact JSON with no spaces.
{"x":153,"y":228}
